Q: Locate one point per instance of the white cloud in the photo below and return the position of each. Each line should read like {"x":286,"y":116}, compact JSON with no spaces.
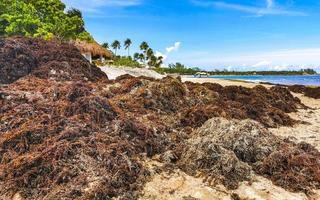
{"x":262,"y":63}
{"x":175,"y":47}
{"x":230,"y":68}
{"x":93,"y":6}
{"x":269,"y":9}
{"x":158,"y":54}
{"x":169,"y":50}
{"x":281,"y":67}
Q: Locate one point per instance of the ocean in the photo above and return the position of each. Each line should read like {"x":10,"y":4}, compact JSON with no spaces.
{"x":308,"y":80}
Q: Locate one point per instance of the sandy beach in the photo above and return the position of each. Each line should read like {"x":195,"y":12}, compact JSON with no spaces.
{"x":114,"y":72}
{"x":180,"y":185}
{"x":106,"y":100}
{"x":142,"y":138}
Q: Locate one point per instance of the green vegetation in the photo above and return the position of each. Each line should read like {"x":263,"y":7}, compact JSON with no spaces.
{"x":115,"y":46}
{"x":146,"y":57}
{"x":127,"y":44}
{"x":105,"y":45}
{"x":144,"y":48}
{"x":125,"y":61}
{"x":41,"y":18}
{"x":179,"y":69}
{"x":239,"y":73}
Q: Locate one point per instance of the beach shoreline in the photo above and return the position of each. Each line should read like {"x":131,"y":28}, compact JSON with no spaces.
{"x":279,"y":80}
{"x":162,"y":185}
{"x":223,"y":82}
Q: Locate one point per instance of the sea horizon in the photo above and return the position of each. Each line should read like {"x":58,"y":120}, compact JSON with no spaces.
{"x":307,"y":80}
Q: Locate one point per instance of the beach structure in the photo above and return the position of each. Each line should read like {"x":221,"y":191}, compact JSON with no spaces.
{"x":201,"y":74}
{"x":93,"y":49}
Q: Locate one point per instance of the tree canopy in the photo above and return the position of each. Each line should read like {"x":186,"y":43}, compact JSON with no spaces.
{"x":105,"y":45}
{"x":116,"y":45}
{"x":41,"y":18}
{"x":147,"y":56}
{"x":127,"y":44}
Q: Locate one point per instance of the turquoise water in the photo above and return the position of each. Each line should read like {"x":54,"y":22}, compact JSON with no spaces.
{"x":313,"y":80}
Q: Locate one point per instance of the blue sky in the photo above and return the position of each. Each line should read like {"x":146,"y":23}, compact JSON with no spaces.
{"x":232,"y":34}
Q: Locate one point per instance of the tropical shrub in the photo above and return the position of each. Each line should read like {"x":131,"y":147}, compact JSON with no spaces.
{"x":41,"y":18}
{"x":125,"y":61}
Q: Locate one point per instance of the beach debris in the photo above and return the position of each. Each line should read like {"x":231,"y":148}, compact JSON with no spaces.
{"x":216,"y":164}
{"x":226,"y":148}
{"x":266,"y":106}
{"x":294,"y":167}
{"x":20,"y":56}
{"x":67,"y":132}
{"x":313,"y":92}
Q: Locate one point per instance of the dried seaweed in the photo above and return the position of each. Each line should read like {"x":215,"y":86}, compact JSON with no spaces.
{"x":225,"y":148}
{"x":21,"y":56}
{"x":67,"y":132}
{"x":293,"y":166}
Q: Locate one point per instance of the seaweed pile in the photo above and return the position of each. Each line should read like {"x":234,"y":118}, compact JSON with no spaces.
{"x":67,"y":132}
{"x":228,"y":151}
{"x":313,"y":92}
{"x":21,"y":56}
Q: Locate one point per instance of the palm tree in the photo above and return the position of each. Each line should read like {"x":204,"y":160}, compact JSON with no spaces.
{"x":116,"y":45}
{"x":144,"y":47}
{"x":141,"y":57}
{"x":149,"y":53}
{"x":127,"y":44}
{"x":152,"y":61}
{"x":136,"y":56}
{"x":159,"y":61}
{"x":105,"y":45}
{"x":150,"y":56}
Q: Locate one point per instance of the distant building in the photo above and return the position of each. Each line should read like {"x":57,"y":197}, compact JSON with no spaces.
{"x":90,"y":50}
{"x":201,"y":74}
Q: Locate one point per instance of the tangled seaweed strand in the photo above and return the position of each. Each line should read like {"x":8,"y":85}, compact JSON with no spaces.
{"x":294,"y":167}
{"x":225,"y":148}
{"x":67,"y":132}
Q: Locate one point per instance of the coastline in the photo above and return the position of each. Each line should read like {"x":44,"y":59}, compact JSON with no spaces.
{"x":223,"y":82}
{"x":284,"y":80}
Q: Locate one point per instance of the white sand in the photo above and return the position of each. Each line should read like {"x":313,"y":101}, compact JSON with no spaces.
{"x":114,"y":72}
{"x":179,"y":186}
